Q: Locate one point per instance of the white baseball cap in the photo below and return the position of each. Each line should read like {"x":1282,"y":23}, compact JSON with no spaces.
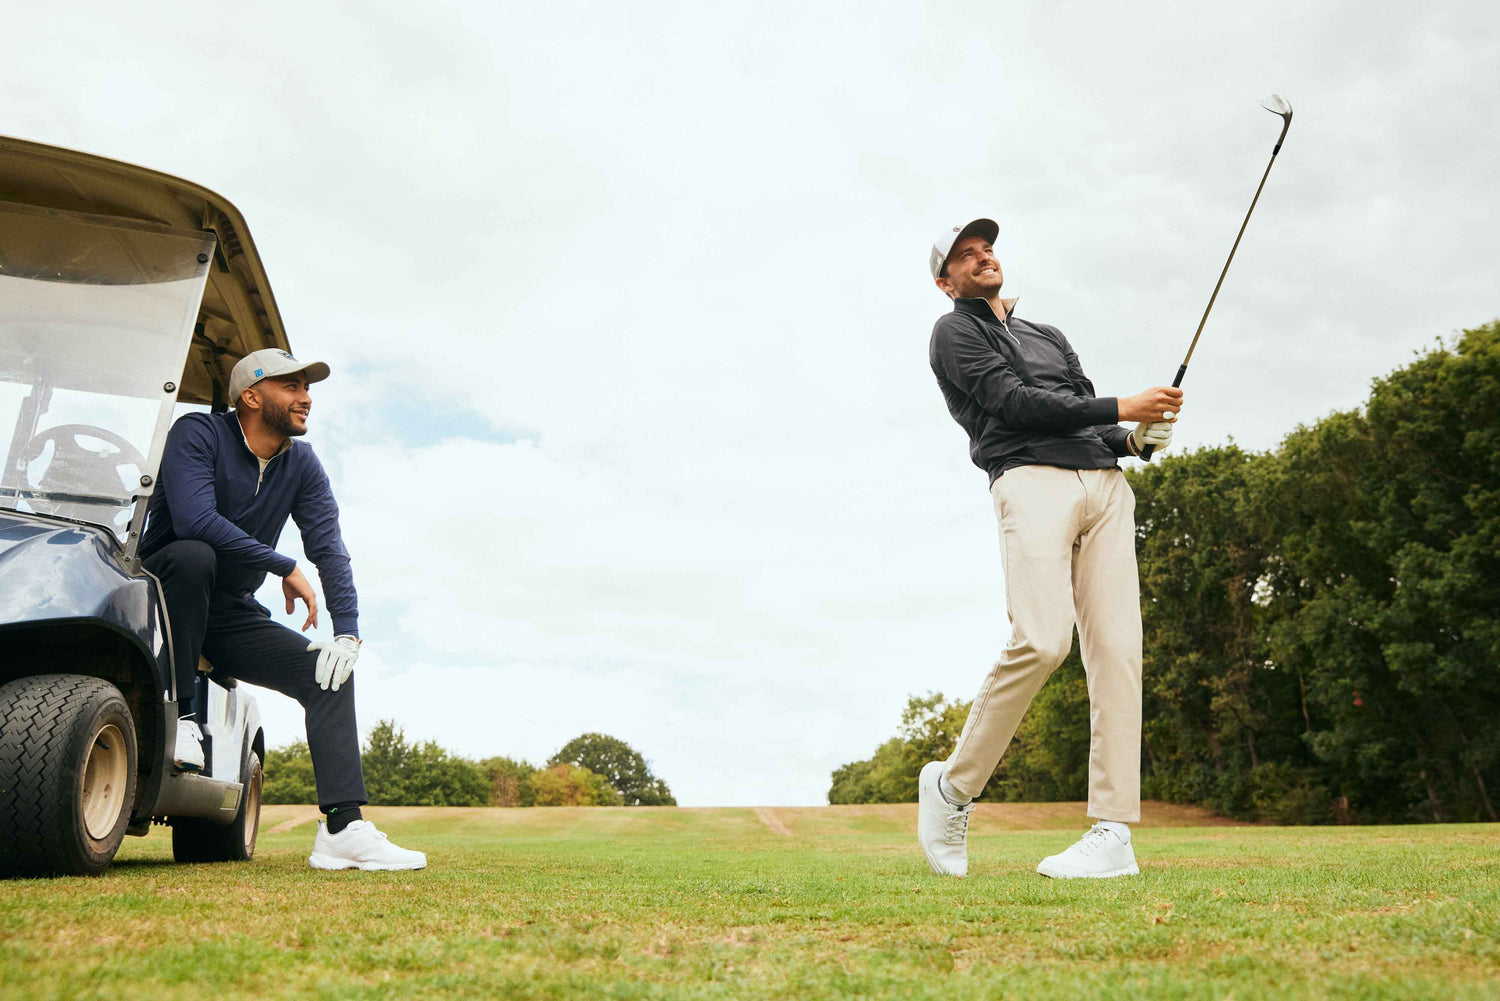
{"x":943,"y":245}
{"x":266,"y":364}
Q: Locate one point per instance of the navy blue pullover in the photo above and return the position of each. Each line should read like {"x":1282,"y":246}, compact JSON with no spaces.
{"x":211,"y":489}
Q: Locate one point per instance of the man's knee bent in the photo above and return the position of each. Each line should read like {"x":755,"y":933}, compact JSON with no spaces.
{"x":1046,"y":653}
{"x":311,"y":696}
{"x":186,"y":559}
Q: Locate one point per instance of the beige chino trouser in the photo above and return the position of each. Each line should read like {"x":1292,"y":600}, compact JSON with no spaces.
{"x":1067,"y":537}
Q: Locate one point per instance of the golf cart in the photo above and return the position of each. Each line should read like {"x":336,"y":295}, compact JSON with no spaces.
{"x":123,"y":293}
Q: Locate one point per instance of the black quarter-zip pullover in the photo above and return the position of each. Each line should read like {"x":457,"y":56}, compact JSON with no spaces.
{"x":1018,"y":391}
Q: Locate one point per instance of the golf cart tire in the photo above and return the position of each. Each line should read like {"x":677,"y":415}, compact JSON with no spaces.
{"x":67,"y":774}
{"x":196,"y":840}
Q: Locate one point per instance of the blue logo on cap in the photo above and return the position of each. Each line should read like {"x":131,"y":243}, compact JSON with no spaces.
{"x":259,"y":372}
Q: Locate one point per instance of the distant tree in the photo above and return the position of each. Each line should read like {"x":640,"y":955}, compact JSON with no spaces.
{"x":565,"y":784}
{"x":384,"y":757}
{"x":1047,"y":760}
{"x":434,"y":777}
{"x":620,"y":764}
{"x":401,"y":773}
{"x":882,"y":778}
{"x":510,"y":781}
{"x":289,"y":775}
{"x":398,"y":773}
{"x":929,"y":728}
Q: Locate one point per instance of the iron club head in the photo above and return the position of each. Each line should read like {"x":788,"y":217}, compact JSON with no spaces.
{"x":1278,"y":105}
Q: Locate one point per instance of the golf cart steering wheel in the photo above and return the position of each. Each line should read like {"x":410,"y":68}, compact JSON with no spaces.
{"x":75,"y":469}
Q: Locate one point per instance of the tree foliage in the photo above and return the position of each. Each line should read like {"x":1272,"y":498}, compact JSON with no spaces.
{"x":1322,"y":640}
{"x":400,"y":773}
{"x":288,"y":775}
{"x":620,"y":764}
{"x":1047,"y":761}
{"x":510,"y":781}
{"x":564,"y":784}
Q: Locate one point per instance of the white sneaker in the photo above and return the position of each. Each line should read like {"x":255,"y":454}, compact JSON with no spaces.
{"x":360,"y":846}
{"x":189,"y":752}
{"x":942,"y":828}
{"x":1099,"y":854}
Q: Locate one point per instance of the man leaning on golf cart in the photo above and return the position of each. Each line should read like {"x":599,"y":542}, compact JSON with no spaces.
{"x":227,"y":485}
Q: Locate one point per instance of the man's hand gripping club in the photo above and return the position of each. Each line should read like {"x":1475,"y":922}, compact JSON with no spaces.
{"x":1156,"y":409}
{"x":335,"y":659}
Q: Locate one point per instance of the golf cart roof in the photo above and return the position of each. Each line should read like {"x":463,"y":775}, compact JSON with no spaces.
{"x":238,"y":314}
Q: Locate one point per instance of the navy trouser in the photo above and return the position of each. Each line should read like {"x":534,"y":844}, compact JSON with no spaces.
{"x":236,"y":634}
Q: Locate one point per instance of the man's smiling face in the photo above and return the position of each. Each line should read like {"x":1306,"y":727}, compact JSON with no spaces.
{"x":972,"y":271}
{"x":285,"y":403}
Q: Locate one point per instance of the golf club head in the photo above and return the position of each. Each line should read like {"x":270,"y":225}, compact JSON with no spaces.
{"x":1278,"y":105}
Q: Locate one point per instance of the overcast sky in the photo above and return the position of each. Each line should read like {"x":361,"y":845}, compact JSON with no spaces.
{"x":627,"y":307}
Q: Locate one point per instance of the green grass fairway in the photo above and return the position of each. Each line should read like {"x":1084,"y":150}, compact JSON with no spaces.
{"x":773,"y":903}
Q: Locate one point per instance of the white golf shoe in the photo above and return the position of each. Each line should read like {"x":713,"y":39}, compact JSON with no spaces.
{"x":361,"y":846}
{"x":942,"y":828}
{"x":188,"y":754}
{"x":1099,"y":854}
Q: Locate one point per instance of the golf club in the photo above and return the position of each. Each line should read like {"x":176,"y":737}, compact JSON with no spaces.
{"x":1275,"y":104}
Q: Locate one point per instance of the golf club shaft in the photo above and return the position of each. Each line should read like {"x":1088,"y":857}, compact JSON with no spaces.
{"x":1182,"y":369}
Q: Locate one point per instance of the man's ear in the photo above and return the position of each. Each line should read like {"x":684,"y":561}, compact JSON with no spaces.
{"x":249,"y":399}
{"x":945,"y":286}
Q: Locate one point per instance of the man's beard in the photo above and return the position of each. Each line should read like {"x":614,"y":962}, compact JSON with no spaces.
{"x":279,"y":420}
{"x":977,"y":289}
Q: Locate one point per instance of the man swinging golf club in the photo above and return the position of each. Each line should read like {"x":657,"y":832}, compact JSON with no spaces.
{"x":228,"y":483}
{"x":1067,"y":532}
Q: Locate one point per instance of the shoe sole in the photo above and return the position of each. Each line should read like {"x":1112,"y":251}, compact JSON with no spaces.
{"x":930,"y":863}
{"x":329,"y":863}
{"x":1046,"y":870}
{"x":187,"y":766}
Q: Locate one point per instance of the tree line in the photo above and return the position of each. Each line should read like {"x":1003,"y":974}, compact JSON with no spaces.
{"x":592,"y":769}
{"x":1322,"y":622}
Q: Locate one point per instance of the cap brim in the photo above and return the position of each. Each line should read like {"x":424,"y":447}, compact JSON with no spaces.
{"x":987,"y":228}
{"x":315,"y":371}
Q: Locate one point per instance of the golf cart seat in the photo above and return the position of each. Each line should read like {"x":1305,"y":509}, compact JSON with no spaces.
{"x":207,"y":670}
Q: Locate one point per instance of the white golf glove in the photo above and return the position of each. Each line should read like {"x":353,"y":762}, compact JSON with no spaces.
{"x":335,"y":660}
{"x":1154,"y":433}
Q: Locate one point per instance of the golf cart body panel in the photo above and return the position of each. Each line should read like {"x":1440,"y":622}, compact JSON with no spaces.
{"x":123,"y":292}
{"x":84,"y":581}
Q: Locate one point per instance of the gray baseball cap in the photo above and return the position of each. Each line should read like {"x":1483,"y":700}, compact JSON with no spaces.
{"x":943,"y":245}
{"x":268,"y":363}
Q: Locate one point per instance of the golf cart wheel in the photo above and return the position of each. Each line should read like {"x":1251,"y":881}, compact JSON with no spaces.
{"x":67,"y":774}
{"x":202,"y":841}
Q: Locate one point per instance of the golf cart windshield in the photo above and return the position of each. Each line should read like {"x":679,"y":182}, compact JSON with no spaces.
{"x":96,"y":314}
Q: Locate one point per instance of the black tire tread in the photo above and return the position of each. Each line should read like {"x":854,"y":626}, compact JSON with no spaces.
{"x":37,"y":718}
